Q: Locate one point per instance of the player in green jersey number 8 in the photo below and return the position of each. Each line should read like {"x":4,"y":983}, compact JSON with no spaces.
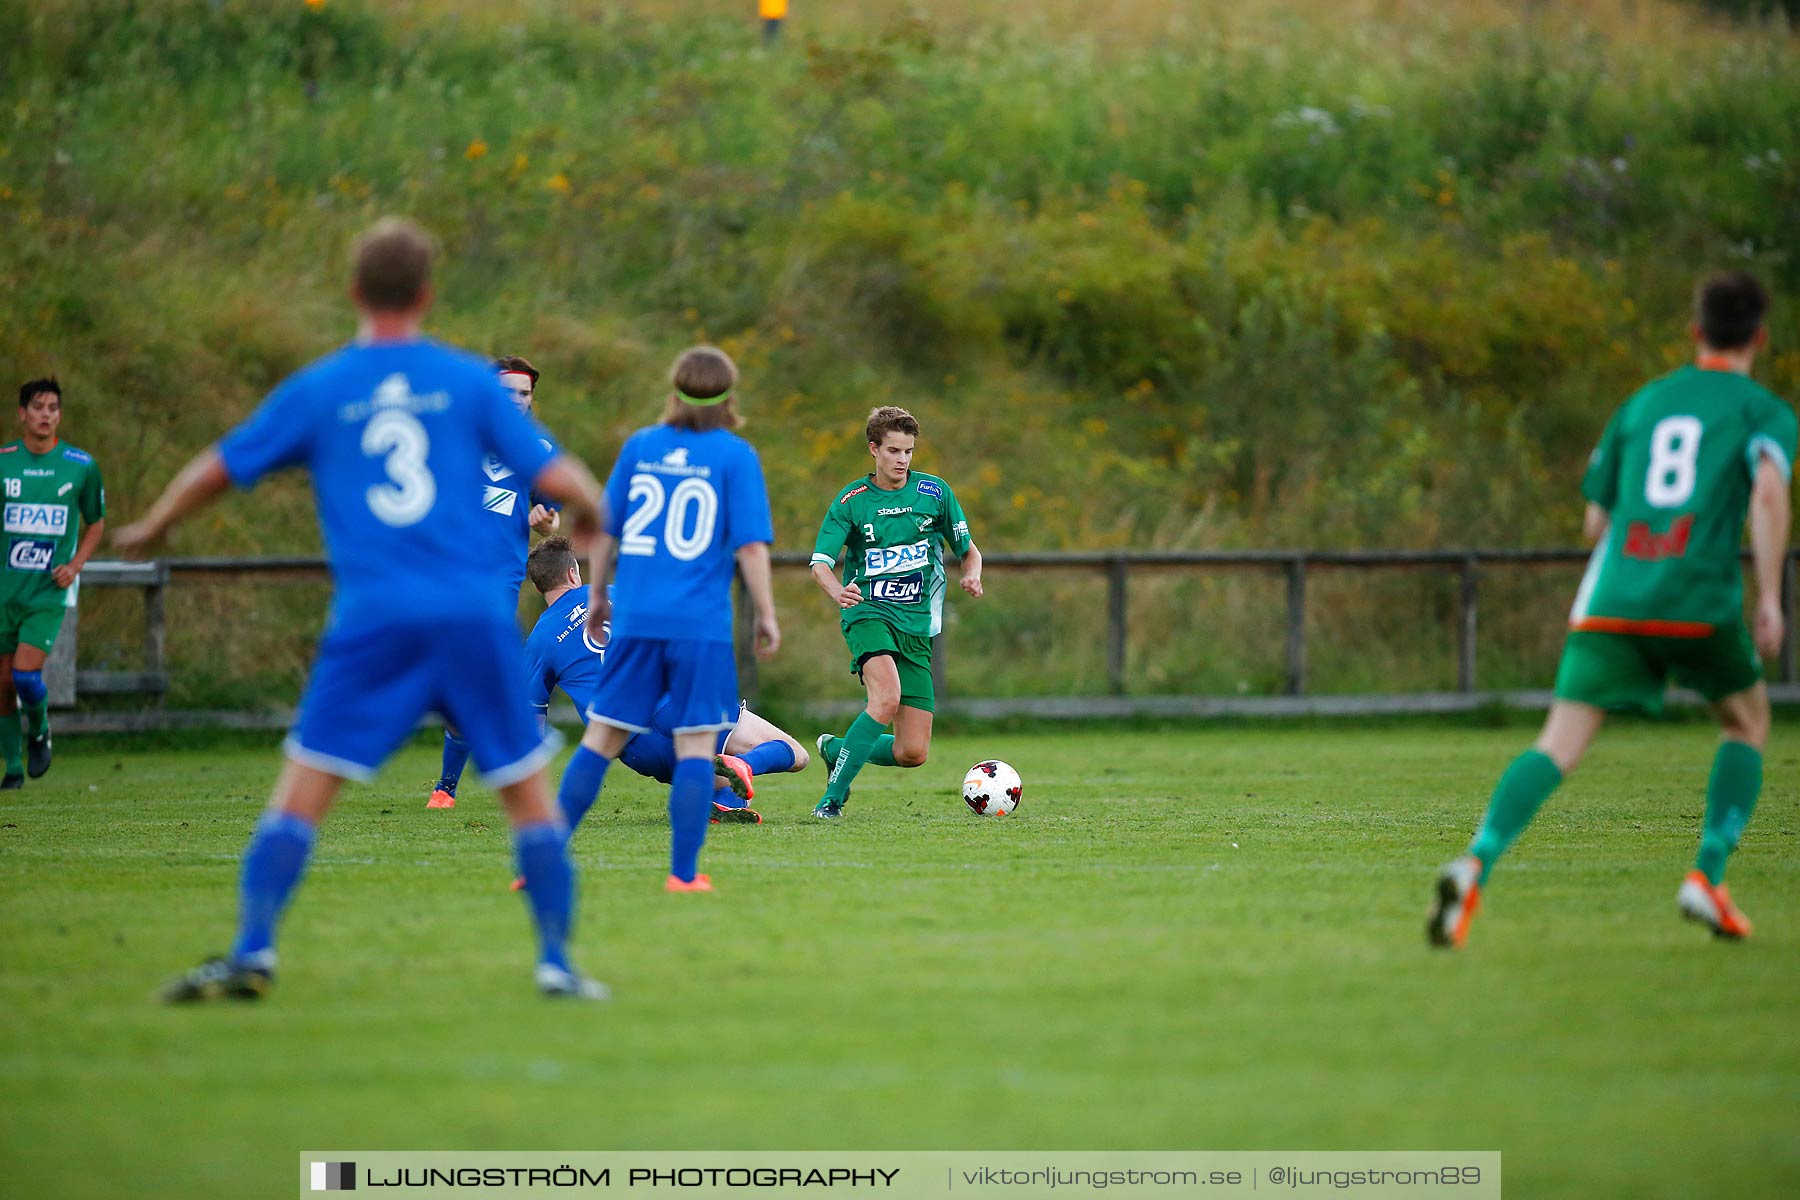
{"x":1668,"y":488}
{"x":891,"y":527}
{"x":52,"y":489}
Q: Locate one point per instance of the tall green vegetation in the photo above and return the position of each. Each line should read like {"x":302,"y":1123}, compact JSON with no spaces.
{"x":1346,"y":275}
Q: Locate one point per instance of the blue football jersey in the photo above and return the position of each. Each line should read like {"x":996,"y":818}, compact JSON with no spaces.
{"x":559,"y":652}
{"x":393,"y":434}
{"x":506,"y":497}
{"x":681,"y":504}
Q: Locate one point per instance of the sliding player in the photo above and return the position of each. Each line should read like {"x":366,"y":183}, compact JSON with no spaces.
{"x":561,"y":653}
{"x":52,"y":489}
{"x":515,"y":516}
{"x":1667,"y":491}
{"x":387,"y":427}
{"x":686,"y":503}
{"x":891,"y":527}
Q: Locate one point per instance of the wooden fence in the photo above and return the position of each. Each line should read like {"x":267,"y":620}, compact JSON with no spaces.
{"x":1294,"y":567}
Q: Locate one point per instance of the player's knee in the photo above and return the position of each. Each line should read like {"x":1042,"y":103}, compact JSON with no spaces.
{"x":910,"y":756}
{"x":1751,"y":728}
{"x":801,"y":758}
{"x":884,"y":708}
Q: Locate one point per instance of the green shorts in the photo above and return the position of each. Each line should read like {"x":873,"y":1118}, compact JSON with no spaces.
{"x":911,"y":654}
{"x":32,"y":621}
{"x":1622,"y":672}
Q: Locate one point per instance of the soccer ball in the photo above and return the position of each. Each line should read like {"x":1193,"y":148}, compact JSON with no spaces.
{"x":992,"y":788}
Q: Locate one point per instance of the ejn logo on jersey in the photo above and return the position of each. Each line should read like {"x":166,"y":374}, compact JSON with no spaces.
{"x":29,"y":555}
{"x":903,"y":589}
{"x":896,"y":560}
{"x":41,"y":520}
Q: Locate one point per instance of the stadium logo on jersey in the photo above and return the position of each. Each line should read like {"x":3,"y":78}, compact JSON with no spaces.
{"x":45,"y":520}
{"x":896,"y":560}
{"x":496,"y":470}
{"x":498,"y":500}
{"x":855,"y":491}
{"x":928,"y":488}
{"x":31,"y":556}
{"x":893,"y":512}
{"x":907,"y":589}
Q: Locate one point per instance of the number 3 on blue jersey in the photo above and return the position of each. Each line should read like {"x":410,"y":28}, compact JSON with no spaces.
{"x":690,"y":494}
{"x":410,"y":490}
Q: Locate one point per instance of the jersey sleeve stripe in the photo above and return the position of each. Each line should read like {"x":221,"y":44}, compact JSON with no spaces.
{"x":825,"y":560}
{"x":1762,"y":444}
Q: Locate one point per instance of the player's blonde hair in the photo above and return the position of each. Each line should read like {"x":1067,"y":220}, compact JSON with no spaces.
{"x":700,"y":374}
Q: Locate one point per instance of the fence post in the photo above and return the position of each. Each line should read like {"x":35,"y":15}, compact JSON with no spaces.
{"x":1467,"y":605}
{"x":1296,"y":625}
{"x":746,"y":638}
{"x":1116,"y":598}
{"x":1790,"y":667}
{"x":156,"y":628}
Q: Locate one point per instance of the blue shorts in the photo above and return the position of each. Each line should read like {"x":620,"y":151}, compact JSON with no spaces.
{"x":372,"y":682}
{"x":697,"y":681}
{"x":663,"y":722}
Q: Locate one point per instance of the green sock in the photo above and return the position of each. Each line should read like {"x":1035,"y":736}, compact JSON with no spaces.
{"x":37,"y":717}
{"x":1524,"y":786}
{"x":1730,"y":799}
{"x":852,"y":753}
{"x":11,"y":743}
{"x":882,"y":755}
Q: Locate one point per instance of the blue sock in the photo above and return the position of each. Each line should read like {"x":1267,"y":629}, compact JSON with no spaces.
{"x":549,"y":875}
{"x":651,"y":755}
{"x":580,"y":785}
{"x":770,"y":758}
{"x":273,"y":864}
{"x":456,"y":757}
{"x":724,"y":797}
{"x":30,"y":686}
{"x":690,"y":807}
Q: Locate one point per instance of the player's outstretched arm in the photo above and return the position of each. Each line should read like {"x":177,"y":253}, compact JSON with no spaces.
{"x":1770,"y":517}
{"x":971,"y":572}
{"x":192,"y":489}
{"x":753,"y":563}
{"x":566,"y":478}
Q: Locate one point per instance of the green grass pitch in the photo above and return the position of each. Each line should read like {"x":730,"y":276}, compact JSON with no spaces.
{"x":1193,"y":939}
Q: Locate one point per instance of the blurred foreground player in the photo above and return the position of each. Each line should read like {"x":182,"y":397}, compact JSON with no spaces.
{"x":389,"y":427}
{"x":1663,"y":598}
{"x":513,"y":516}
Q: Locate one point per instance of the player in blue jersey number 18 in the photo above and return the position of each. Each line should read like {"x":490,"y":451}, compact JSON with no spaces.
{"x":686,"y":506}
{"x":390,"y":428}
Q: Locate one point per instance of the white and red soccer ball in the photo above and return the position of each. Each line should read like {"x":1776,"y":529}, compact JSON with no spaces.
{"x":992,"y":788}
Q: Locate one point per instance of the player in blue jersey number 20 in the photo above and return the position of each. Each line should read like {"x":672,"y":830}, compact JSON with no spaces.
{"x":686,"y":503}
{"x":390,"y":428}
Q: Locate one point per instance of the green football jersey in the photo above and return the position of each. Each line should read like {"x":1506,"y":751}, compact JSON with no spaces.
{"x":1674,"y":470}
{"x":48,"y":497}
{"x":892,"y":545}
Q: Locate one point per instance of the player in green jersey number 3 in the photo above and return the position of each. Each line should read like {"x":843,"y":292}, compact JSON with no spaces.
{"x":52,"y":489}
{"x":891,"y":527}
{"x":1668,"y":488}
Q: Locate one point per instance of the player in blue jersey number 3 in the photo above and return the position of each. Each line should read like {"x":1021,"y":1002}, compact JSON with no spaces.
{"x":390,"y":428}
